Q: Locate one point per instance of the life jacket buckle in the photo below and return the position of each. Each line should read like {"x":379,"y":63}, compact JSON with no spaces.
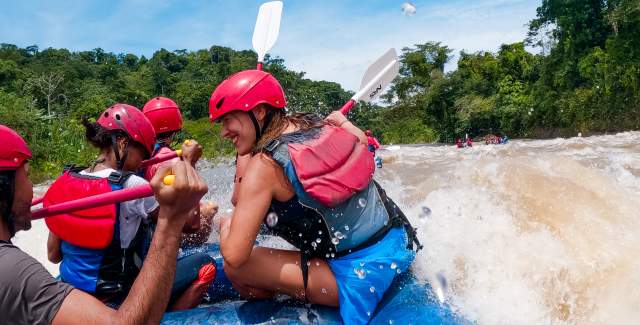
{"x":118,"y":178}
{"x":272,"y":145}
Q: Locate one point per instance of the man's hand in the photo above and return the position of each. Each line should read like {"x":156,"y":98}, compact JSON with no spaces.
{"x":178,"y":199}
{"x":191,"y":151}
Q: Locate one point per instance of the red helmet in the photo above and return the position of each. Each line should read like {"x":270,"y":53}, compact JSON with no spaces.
{"x":164,"y":114}
{"x":132,"y":121}
{"x":13,"y":149}
{"x":245,"y":90}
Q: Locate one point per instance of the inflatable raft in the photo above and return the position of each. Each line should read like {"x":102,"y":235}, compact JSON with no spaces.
{"x":407,"y":301}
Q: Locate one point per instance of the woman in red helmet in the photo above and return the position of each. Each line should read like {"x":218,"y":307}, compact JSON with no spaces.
{"x":164,"y":114}
{"x":310,"y":181}
{"x":101,"y":250}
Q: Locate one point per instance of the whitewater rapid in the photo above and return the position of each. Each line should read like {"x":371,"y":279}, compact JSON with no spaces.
{"x":532,"y":232}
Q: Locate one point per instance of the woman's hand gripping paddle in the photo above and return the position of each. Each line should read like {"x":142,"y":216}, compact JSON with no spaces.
{"x":377,"y":77}
{"x":267,"y":29}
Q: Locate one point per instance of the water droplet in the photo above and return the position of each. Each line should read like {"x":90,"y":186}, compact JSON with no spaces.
{"x":381,"y":266}
{"x":346,"y":228}
{"x":391,"y":321}
{"x":360,"y":273}
{"x":362,"y":202}
{"x":333,"y":255}
{"x":339,"y":235}
{"x":308,"y":263}
{"x":324,"y":291}
{"x":314,"y":245}
{"x":408,"y":9}
{"x":393,"y":265}
{"x":299,"y":234}
{"x":326,"y":255}
{"x":361,"y":263}
{"x":318,"y":240}
{"x":369,"y":313}
{"x":317,"y":263}
{"x":319,"y":232}
{"x":398,"y":271}
{"x":426,"y":212}
{"x":441,"y":286}
{"x":272,"y":219}
{"x":335,"y":241}
{"x":372,"y":289}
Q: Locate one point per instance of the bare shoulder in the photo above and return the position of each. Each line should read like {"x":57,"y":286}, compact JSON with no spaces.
{"x":261,"y":165}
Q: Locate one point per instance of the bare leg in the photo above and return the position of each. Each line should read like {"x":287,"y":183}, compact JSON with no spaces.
{"x":191,"y":297}
{"x":271,"y":271}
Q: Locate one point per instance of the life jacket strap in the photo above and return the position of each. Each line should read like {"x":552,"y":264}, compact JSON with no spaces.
{"x":304,"y":259}
{"x":119,"y":178}
{"x":398,"y":218}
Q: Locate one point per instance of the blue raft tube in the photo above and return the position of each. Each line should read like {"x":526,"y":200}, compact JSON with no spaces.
{"x":407,"y":301}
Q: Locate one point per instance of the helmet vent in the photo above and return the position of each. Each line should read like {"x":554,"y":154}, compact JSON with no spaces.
{"x":106,"y":114}
{"x":219,"y":103}
{"x":117,"y":117}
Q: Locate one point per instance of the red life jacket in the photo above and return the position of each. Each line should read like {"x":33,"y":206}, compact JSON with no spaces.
{"x":332,"y":166}
{"x":91,"y":228}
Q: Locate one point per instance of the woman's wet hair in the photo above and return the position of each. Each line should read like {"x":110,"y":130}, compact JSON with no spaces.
{"x":99,"y":136}
{"x":280,"y":121}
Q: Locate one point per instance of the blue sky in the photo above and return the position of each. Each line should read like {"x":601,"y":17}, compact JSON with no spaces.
{"x":331,"y":40}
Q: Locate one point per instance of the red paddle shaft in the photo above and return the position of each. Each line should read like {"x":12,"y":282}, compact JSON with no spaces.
{"x":128,"y":194}
{"x":144,"y":164}
{"x":158,"y":159}
{"x":347,"y":107}
{"x":37,"y":200}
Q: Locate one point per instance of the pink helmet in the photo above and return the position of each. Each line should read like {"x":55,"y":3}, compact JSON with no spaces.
{"x":13,"y":149}
{"x":131,"y":121}
{"x":245,"y":90}
{"x":164,"y":114}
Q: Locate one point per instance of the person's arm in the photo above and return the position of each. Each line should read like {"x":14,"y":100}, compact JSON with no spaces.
{"x":150,"y":293}
{"x":241,"y":165}
{"x":338,"y":119}
{"x":208,"y":210}
{"x":53,"y":249}
{"x":238,"y":233}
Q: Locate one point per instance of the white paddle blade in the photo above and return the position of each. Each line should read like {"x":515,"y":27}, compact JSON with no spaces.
{"x":377,"y":66}
{"x":378,"y":76}
{"x":267,"y":28}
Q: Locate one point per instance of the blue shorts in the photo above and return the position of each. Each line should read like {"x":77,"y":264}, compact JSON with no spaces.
{"x":364,"y":276}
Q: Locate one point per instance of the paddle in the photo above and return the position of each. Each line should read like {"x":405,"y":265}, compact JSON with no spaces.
{"x":127,"y":194}
{"x":267,"y":29}
{"x":160,"y":158}
{"x":144,"y":164}
{"x":377,"y":77}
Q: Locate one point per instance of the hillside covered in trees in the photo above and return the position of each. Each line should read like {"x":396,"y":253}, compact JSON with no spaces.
{"x":583,"y":75}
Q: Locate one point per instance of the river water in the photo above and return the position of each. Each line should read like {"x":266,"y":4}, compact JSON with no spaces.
{"x":532,"y":232}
